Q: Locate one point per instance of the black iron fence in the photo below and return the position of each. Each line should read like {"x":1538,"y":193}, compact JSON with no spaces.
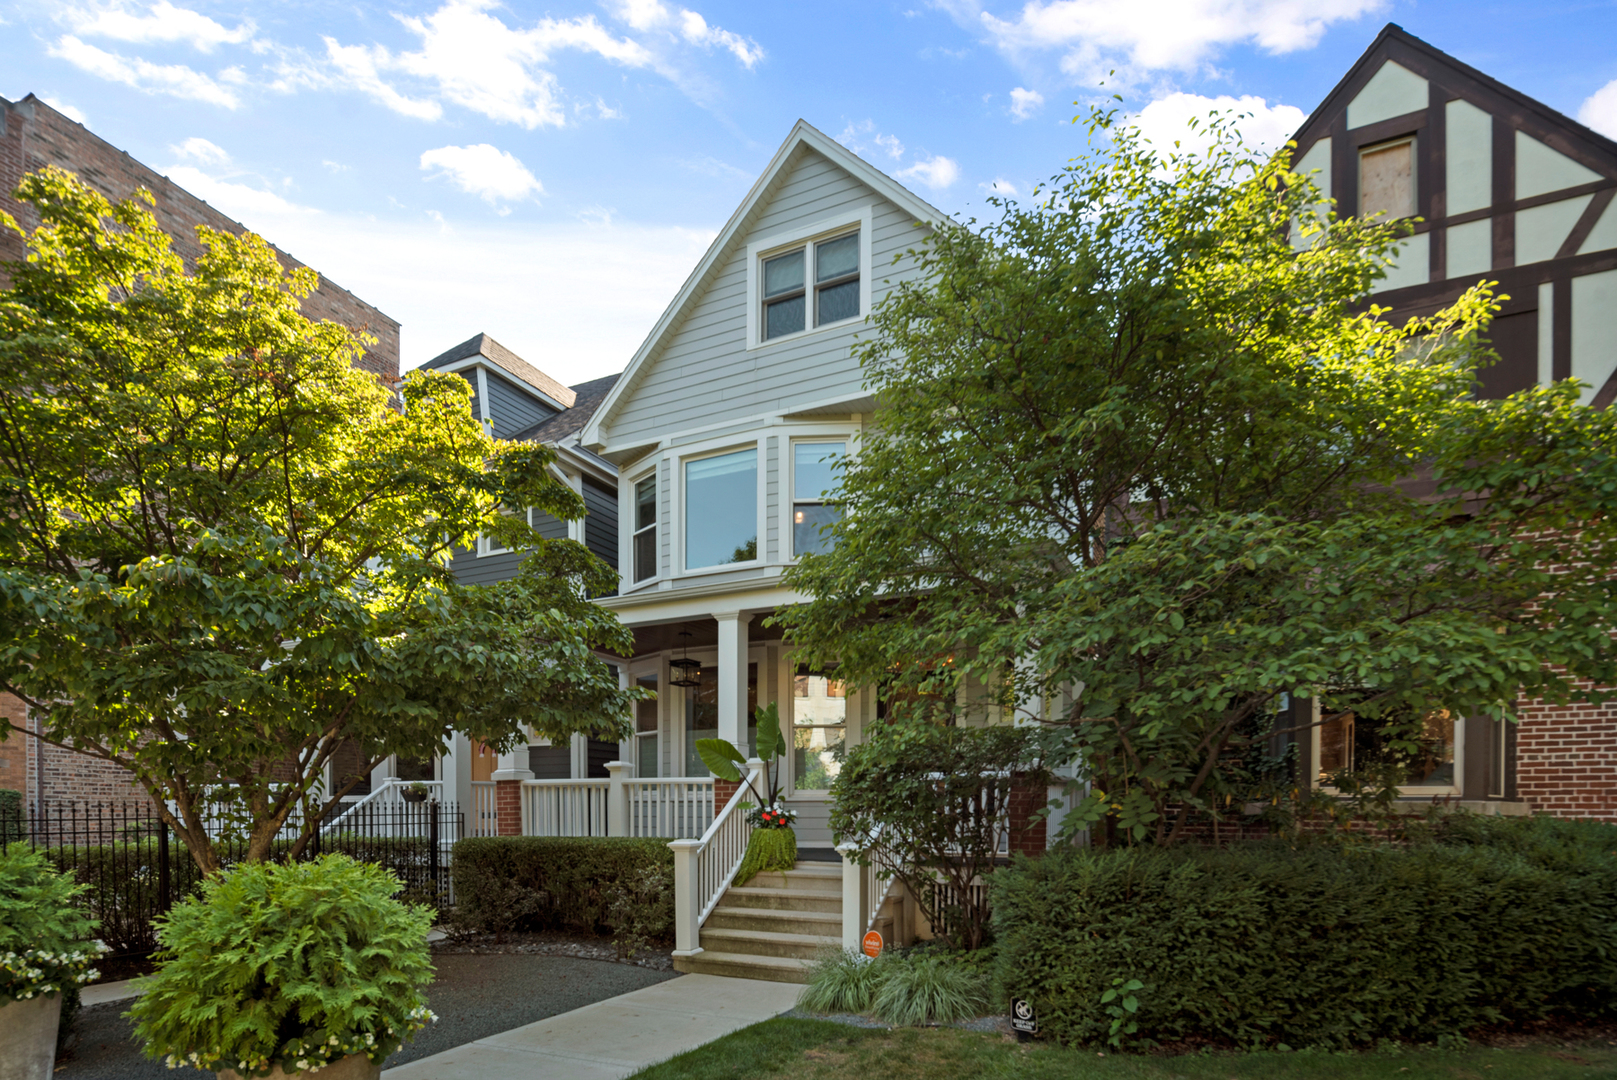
{"x":136,"y":868}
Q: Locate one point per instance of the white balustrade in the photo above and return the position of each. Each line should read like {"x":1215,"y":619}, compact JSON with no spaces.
{"x":679,"y":807}
{"x":482,"y":819}
{"x":704,"y":868}
{"x":565,"y":807}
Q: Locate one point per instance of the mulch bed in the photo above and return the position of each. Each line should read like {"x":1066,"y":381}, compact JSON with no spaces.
{"x":552,"y":943}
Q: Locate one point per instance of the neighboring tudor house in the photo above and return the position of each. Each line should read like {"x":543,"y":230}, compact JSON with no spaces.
{"x":1507,"y":190}
{"x":517,"y":401}
{"x":33,"y":135}
{"x":722,"y":429}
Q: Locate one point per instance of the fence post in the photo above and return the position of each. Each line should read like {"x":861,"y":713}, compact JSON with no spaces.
{"x":687,"y":904}
{"x":617,"y":798}
{"x":855,"y":908}
{"x":434,"y":808}
{"x":165,"y":882}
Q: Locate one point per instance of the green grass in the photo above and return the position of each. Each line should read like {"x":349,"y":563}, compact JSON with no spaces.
{"x":823,"y":1050}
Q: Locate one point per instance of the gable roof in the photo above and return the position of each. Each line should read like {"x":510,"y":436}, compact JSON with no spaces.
{"x":803,"y":134}
{"x":506,"y":360}
{"x":588,"y":400}
{"x":1399,"y":45}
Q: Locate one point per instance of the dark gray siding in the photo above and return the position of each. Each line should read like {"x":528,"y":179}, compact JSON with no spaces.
{"x":551,"y":762}
{"x":601,"y":524}
{"x":548,"y":527}
{"x":511,"y":409}
{"x":485,"y":571}
{"x":601,"y":752}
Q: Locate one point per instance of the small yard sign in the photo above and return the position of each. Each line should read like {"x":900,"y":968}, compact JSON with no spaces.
{"x":1022,"y":1018}
{"x":873,"y":944}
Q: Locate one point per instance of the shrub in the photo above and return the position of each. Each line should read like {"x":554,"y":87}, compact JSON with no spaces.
{"x":1482,"y":922}
{"x":295,"y":965}
{"x":45,"y":945}
{"x":634,"y":908}
{"x":911,"y":988}
{"x":931,"y":804}
{"x":13,"y":818}
{"x":547,"y":882}
{"x":767,"y":850}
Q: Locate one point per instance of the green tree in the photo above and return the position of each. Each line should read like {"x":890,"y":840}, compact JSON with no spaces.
{"x":1144,"y":464}
{"x":224,"y":549}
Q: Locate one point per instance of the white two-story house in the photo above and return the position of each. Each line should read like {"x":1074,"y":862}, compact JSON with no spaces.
{"x":723,"y":429}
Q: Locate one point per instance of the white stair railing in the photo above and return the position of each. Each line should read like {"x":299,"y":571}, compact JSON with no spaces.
{"x":704,"y":868}
{"x":388,"y":796}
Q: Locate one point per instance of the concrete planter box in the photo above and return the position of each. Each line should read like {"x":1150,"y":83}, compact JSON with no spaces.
{"x":352,"y":1067}
{"x":28,"y":1037}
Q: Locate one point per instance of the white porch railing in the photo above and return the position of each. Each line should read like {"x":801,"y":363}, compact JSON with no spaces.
{"x":565,"y":807}
{"x":704,"y":868}
{"x":481,"y":817}
{"x":671,"y":807}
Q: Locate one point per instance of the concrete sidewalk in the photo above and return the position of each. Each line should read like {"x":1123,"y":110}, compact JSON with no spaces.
{"x":613,"y":1038}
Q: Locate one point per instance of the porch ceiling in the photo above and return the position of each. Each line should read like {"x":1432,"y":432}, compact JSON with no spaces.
{"x":704,"y":634}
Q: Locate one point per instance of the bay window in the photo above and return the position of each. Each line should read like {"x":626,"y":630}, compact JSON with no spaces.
{"x":721,"y":509}
{"x":645,"y":528}
{"x":813,"y":465}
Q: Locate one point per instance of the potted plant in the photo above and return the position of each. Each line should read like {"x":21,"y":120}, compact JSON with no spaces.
{"x":773,"y":844}
{"x":416,"y":792}
{"x":277,"y":970}
{"x":45,"y":954}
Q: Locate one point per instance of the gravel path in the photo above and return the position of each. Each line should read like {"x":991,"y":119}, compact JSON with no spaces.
{"x":474,"y":995}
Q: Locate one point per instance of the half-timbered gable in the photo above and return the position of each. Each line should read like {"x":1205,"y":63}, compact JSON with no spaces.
{"x":1504,"y":188}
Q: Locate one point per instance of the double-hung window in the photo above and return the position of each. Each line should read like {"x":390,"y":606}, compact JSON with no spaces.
{"x":812,"y":285}
{"x":645,"y":528}
{"x":721,"y":509}
{"x":813,"y":474}
{"x":646,"y":751}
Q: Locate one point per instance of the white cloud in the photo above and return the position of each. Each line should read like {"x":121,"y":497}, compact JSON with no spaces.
{"x":1599,"y":110}
{"x":176,"y":80}
{"x":1166,"y":120}
{"x":1156,"y":35}
{"x":201,"y":150}
{"x":1025,"y":102}
{"x":1001,"y":187}
{"x":64,"y":108}
{"x":936,"y":173}
{"x":240,"y":201}
{"x":856,"y":134}
{"x":647,"y":15}
{"x":493,"y":175}
{"x":355,"y":66}
{"x":163,"y":23}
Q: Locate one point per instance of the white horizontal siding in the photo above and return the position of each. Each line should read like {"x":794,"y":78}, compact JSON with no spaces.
{"x":703,"y":373}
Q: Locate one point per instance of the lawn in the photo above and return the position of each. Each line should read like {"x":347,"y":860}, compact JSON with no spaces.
{"x":823,"y":1050}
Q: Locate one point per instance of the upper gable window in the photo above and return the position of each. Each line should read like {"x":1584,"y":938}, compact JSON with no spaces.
{"x":835,"y":288}
{"x":1387,"y":180}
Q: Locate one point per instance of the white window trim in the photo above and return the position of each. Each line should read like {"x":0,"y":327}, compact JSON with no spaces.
{"x":626,"y":513}
{"x":788,"y":464}
{"x":770,"y":246}
{"x":678,"y":523}
{"x":1412,"y":791}
{"x":485,"y":546}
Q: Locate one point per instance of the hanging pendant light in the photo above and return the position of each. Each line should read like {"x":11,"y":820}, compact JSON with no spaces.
{"x":686,"y":672}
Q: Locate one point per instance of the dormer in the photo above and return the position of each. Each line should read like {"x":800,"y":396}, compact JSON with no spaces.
{"x":509,"y":395}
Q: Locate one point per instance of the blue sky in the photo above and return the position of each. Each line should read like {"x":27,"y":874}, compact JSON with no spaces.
{"x":550,"y":175}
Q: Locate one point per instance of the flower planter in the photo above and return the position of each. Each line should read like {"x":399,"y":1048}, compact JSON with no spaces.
{"x":413,"y":796}
{"x":767,"y":850}
{"x":352,"y":1067}
{"x":28,"y":1037}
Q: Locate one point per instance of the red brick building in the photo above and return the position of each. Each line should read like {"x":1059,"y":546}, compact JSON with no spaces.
{"x":33,"y":135}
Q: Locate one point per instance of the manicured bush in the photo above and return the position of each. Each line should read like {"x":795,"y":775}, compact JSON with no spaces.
{"x":295,"y":965}
{"x":549,"y":882}
{"x":1480,"y":922}
{"x":45,"y":940}
{"x":907,"y":989}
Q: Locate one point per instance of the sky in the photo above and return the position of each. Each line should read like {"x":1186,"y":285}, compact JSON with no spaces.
{"x":551,"y":175}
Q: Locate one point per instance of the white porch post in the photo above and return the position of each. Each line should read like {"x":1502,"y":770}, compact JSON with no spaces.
{"x":617,"y":798}
{"x":512,"y":766}
{"x":579,"y":768}
{"x":686,"y":905}
{"x":732,"y":678}
{"x":854,"y":904}
{"x":455,"y":771}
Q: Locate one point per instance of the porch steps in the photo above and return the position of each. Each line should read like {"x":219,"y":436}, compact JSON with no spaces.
{"x":773,"y":926}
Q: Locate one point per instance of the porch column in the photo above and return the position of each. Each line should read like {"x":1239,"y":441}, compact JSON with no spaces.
{"x":455,"y":770}
{"x":732,"y":679}
{"x":510,"y":770}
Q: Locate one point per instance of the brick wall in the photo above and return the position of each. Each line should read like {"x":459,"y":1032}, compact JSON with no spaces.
{"x":1566,"y":760}
{"x":33,"y":135}
{"x":508,"y":807}
{"x":723,"y":792}
{"x":14,"y":750}
{"x":1026,"y":800}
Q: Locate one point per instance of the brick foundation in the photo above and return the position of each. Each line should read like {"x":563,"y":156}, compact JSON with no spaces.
{"x":1028,"y":837}
{"x":508,"y":807}
{"x":723,"y":792}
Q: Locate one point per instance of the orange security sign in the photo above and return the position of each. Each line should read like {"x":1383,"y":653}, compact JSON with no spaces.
{"x":873,"y":944}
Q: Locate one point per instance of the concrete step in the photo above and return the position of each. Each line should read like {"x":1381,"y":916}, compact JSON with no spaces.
{"x":821,"y":877}
{"x":767,"y":942}
{"x":725,"y":917}
{"x":750,"y":896}
{"x":743,"y":966}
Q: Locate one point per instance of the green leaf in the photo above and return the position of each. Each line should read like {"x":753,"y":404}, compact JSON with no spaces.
{"x":721,"y":758}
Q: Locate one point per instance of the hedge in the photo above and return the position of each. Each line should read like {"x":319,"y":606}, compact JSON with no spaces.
{"x":1480,"y":921}
{"x":551,"y":882}
{"x":13,"y":818}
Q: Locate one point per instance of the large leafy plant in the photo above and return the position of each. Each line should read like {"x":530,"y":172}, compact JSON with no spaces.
{"x":293,"y":965}
{"x":725,"y":761}
{"x":45,"y":945}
